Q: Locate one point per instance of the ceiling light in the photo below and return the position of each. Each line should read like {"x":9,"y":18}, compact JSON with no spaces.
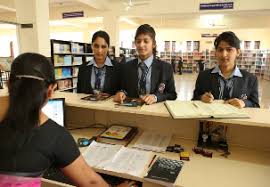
{"x":212,"y":20}
{"x":129,"y":21}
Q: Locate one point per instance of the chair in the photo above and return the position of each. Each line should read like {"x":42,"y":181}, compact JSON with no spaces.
{"x":19,"y":179}
{"x":5,"y":75}
{"x":1,"y":80}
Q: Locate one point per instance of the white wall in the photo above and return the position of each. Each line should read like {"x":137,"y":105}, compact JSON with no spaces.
{"x":7,"y":36}
{"x":127,"y":36}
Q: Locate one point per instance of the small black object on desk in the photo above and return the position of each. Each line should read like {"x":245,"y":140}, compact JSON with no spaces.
{"x":83,"y":142}
{"x":176,"y":148}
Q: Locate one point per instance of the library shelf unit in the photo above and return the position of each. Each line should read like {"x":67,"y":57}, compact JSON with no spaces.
{"x":266,"y":69}
{"x":67,"y":56}
{"x":254,"y":61}
{"x":189,"y":59}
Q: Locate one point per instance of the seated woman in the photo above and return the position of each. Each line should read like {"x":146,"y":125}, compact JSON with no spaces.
{"x":100,"y":74}
{"x":29,"y":141}
{"x":226,"y":81}
{"x":146,"y":77}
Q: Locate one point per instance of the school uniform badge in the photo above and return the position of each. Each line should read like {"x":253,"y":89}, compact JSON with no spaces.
{"x":243,"y":96}
{"x":161,"y":87}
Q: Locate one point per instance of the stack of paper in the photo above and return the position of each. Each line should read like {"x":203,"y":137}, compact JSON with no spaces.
{"x":153,"y":141}
{"x":130,"y":161}
{"x":98,"y":154}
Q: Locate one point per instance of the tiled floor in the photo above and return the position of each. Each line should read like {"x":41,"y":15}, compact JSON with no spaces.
{"x":185,"y":84}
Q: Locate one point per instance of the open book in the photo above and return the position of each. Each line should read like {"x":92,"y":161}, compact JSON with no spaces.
{"x":153,"y":141}
{"x":118,"y":158}
{"x":199,"y":109}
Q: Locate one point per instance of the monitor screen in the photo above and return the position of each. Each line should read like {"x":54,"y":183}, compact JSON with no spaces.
{"x":54,"y":109}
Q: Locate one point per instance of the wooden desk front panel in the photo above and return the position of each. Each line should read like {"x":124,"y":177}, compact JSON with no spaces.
{"x":238,"y":135}
{"x":3,"y":106}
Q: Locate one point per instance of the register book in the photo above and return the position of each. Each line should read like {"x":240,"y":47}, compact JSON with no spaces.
{"x":199,"y":109}
{"x":118,"y":158}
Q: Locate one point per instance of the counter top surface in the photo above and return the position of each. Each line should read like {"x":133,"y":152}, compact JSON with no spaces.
{"x":258,"y":117}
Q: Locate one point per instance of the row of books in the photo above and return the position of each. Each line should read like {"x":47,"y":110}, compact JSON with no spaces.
{"x":66,"y":60}
{"x":66,"y":48}
{"x":66,"y":72}
{"x":63,"y":72}
{"x":61,"y":48}
{"x":77,"y":48}
{"x":64,"y":84}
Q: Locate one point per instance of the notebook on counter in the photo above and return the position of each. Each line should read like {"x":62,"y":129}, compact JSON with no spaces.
{"x":117,"y":134}
{"x":199,"y":109}
{"x":97,"y":97}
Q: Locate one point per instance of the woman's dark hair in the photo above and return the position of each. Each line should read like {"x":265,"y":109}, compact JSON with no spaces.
{"x":30,"y":76}
{"x":149,"y":30}
{"x":101,"y":34}
{"x":228,"y":37}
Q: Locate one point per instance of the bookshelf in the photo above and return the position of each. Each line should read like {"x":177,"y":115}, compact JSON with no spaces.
{"x":67,"y":56}
{"x":255,"y":61}
{"x":266,"y":69}
{"x":189,"y":59}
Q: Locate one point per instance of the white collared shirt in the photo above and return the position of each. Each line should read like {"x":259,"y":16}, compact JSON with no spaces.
{"x":108,"y":62}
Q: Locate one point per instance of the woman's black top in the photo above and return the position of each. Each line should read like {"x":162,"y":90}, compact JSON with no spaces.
{"x":45,"y":146}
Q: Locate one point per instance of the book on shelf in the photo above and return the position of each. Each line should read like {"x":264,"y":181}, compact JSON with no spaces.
{"x":58,"y":73}
{"x":64,"y":84}
{"x":61,"y":48}
{"x":75,"y":71}
{"x":66,"y":72}
{"x":118,"y":158}
{"x":58,"y":60}
{"x":77,"y":48}
{"x":164,"y":171}
{"x":118,"y":134}
{"x":77,"y":60}
{"x":67,"y":60}
{"x":199,"y":109}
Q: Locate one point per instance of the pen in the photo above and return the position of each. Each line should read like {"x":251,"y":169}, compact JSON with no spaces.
{"x":152,"y":160}
{"x":195,"y":105}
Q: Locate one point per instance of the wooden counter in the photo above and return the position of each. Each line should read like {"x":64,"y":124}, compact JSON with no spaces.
{"x":258,"y":117}
{"x":243,"y":168}
{"x":247,"y":166}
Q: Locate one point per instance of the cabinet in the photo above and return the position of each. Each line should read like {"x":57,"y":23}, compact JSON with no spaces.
{"x":67,"y":56}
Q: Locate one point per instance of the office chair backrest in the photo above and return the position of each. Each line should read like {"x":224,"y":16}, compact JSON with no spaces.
{"x":15,"y":179}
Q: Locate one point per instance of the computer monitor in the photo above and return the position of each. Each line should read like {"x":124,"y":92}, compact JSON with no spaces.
{"x":54,"y":109}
